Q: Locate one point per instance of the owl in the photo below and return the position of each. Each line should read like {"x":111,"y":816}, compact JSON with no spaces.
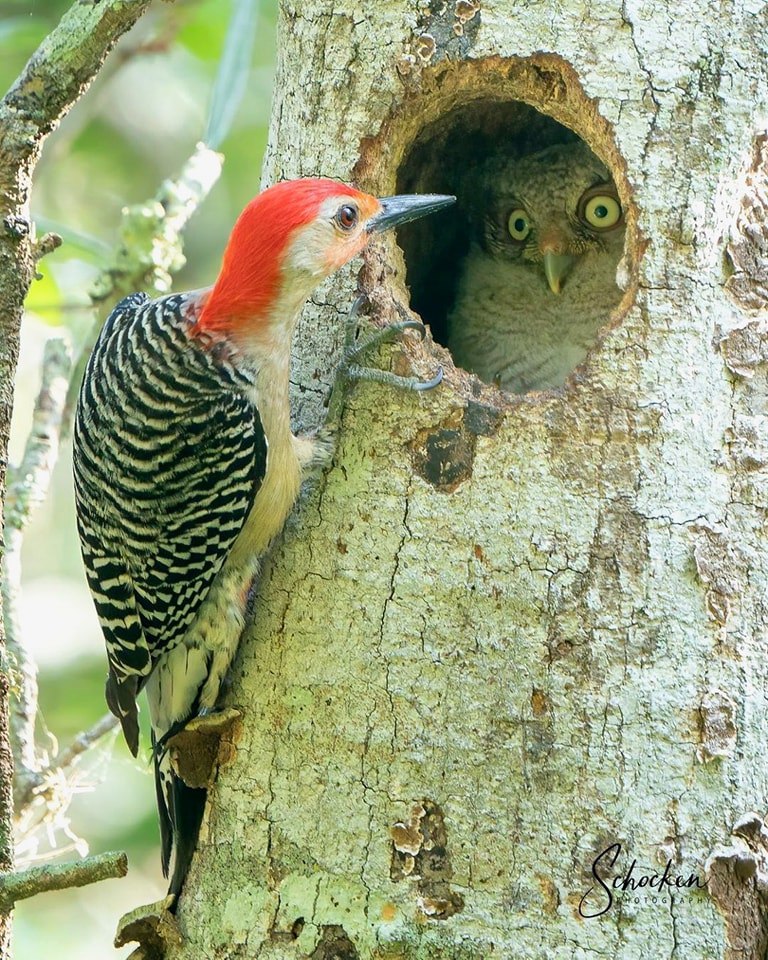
{"x":539,"y":279}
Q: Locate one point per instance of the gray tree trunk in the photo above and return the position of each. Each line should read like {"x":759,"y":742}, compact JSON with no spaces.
{"x":508,"y":633}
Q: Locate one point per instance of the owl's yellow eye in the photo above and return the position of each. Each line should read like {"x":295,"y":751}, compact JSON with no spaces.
{"x":600,"y":210}
{"x":519,"y":224}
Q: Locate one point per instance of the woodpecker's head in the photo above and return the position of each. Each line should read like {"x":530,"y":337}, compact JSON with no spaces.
{"x":288,"y":239}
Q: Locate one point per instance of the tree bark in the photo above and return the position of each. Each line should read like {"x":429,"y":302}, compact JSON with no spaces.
{"x":506,"y":634}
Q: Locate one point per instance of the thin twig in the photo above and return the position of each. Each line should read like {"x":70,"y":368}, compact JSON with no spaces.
{"x":83,"y":742}
{"x":35,"y":784}
{"x":28,"y":883}
{"x":28,"y":483}
{"x":45,"y":245}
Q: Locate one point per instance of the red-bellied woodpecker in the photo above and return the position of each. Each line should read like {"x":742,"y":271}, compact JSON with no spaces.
{"x":186,"y":467}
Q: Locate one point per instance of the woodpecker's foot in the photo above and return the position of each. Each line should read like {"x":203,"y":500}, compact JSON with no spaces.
{"x":315,"y":450}
{"x":350,"y":369}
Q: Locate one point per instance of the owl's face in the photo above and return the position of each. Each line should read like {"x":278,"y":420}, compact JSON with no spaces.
{"x":549,"y":209}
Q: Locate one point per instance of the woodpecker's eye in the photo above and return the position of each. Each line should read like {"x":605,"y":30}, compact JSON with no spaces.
{"x":519,"y":224}
{"x":600,"y":209}
{"x":347,"y":216}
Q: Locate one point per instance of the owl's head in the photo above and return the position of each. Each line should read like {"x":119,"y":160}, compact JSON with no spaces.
{"x":549,"y":209}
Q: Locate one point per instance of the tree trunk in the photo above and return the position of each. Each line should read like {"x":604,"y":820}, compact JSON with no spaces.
{"x":513,"y":643}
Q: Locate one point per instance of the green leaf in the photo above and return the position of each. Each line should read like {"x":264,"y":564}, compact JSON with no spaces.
{"x":232,"y":77}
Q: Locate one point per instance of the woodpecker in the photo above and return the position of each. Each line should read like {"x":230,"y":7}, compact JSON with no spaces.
{"x":186,"y":468}
{"x":539,"y":279}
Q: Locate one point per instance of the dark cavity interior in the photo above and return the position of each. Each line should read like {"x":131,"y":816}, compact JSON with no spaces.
{"x":453,"y":155}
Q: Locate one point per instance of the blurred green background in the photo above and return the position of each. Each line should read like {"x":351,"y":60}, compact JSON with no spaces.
{"x":136,"y":126}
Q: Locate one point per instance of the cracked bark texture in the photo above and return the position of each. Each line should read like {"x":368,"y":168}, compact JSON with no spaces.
{"x":458,"y":691}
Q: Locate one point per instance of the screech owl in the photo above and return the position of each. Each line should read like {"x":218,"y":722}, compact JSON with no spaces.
{"x":539,"y":279}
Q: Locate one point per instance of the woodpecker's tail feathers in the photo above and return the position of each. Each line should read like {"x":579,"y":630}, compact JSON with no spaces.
{"x":188,"y":807}
{"x":180,"y":809}
{"x":173,"y":698}
{"x":121,"y":700}
{"x":163,"y":813}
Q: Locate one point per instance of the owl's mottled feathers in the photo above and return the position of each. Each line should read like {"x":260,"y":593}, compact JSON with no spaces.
{"x":508,"y":325}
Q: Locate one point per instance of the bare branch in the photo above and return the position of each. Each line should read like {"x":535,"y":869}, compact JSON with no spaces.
{"x":149,"y":249}
{"x":83,"y":742}
{"x":28,"y":483}
{"x":46,"y":244}
{"x":34,"y":880}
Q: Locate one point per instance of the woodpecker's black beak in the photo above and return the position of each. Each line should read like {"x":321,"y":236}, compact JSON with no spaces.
{"x":402,"y":209}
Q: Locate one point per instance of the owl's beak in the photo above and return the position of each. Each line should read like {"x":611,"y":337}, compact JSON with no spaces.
{"x":556,"y":267}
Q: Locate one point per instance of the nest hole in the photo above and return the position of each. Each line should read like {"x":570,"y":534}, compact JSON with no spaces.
{"x":520,"y":277}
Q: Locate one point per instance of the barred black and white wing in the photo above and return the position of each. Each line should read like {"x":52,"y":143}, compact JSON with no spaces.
{"x":169,"y":454}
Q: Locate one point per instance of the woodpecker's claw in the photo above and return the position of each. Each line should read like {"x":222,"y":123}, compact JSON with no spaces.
{"x":353,"y":351}
{"x":416,"y":325}
{"x":422,"y":385}
{"x":315,"y":450}
{"x":392,"y":379}
{"x":351,"y":326}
